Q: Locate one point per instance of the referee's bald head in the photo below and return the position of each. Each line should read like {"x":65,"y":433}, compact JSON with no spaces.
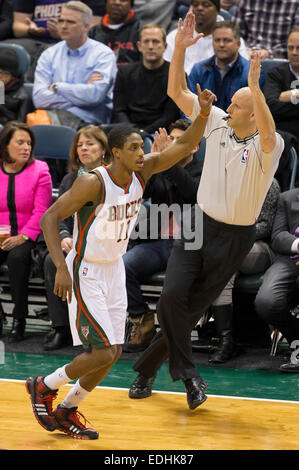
{"x":244,"y":95}
{"x":241,"y":112}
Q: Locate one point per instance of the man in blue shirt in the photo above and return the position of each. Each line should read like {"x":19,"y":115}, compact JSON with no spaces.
{"x":226,"y":71}
{"x":77,"y":74}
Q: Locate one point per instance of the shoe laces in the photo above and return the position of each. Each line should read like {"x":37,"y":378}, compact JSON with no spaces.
{"x":48,"y":399}
{"x":75,"y":417}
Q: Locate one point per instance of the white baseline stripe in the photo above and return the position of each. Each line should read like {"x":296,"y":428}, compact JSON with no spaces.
{"x":177,"y":393}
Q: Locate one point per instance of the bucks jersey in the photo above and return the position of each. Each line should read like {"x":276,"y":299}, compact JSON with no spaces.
{"x":102,"y":230}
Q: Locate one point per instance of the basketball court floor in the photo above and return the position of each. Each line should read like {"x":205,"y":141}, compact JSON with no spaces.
{"x":246,"y":409}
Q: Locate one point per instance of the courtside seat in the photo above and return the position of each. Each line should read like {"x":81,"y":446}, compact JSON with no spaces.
{"x":24,"y":59}
{"x":152,"y":287}
{"x":244,"y":283}
{"x":268,"y":64}
{"x":53,"y":144}
{"x":156,"y":280}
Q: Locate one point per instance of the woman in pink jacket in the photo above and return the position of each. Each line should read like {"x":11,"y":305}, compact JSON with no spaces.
{"x":25,"y":194}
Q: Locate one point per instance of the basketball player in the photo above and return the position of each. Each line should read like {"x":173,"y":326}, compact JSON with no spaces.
{"x":242,"y":155}
{"x":106,"y":203}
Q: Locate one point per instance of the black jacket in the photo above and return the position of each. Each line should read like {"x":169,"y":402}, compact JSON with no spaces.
{"x":123,"y":41}
{"x":286,"y":115}
{"x":6,"y":16}
{"x":140,"y":97}
{"x":285,"y":223}
{"x":17,"y":103}
{"x":177,"y":185}
{"x":66,"y":226}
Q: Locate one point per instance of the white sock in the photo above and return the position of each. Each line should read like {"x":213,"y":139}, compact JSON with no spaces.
{"x":57,"y":378}
{"x":75,"y":396}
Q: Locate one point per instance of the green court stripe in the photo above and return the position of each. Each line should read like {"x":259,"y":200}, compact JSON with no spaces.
{"x":242,"y":383}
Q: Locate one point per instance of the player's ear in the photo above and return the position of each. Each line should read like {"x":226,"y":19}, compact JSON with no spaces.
{"x":115,"y":152}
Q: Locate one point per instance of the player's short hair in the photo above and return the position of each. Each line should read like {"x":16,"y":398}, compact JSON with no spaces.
{"x":119,"y":134}
{"x":86,"y":12}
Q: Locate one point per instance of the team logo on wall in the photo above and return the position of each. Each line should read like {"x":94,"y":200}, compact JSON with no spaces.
{"x":85,"y":331}
{"x":245,"y":156}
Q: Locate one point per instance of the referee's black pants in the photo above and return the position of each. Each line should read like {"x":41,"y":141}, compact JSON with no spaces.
{"x":194,"y":279}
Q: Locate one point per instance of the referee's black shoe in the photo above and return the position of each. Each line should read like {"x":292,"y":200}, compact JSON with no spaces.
{"x":141,"y":387}
{"x":195,"y":389}
{"x":290,"y":368}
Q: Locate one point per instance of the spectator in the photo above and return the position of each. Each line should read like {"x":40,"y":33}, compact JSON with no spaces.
{"x":155,"y":11}
{"x":25,"y":194}
{"x":16,"y":100}
{"x":77,"y":74}
{"x":35,"y":25}
{"x":140,"y":93}
{"x":229,"y":5}
{"x":178,"y":185}
{"x":226,"y":71}
{"x":38,"y":19}
{"x":206,"y":14}
{"x":119,"y":30}
{"x":256,"y":261}
{"x":89,"y":150}
{"x":265,"y":24}
{"x":278,"y":293}
{"x":6,"y":14}
{"x":280,"y":89}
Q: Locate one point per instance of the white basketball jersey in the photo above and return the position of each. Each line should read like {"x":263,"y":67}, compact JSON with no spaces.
{"x":102,"y":230}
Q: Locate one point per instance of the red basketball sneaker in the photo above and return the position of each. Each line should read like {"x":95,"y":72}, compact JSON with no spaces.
{"x":42,"y":399}
{"x":68,"y":421}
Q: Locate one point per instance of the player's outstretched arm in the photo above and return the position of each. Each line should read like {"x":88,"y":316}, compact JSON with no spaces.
{"x":85,"y":189}
{"x":172,"y":154}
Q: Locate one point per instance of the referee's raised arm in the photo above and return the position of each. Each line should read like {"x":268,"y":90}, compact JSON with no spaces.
{"x":264,"y":121}
{"x":177,"y":88}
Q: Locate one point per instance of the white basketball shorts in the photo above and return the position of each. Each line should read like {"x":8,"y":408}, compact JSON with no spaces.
{"x":98,"y":308}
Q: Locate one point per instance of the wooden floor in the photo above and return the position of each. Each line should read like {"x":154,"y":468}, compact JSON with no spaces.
{"x":161,"y":422}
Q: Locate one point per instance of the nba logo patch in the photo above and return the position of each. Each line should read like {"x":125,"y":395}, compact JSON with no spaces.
{"x":244,"y":156}
{"x":85,"y":271}
{"x":85,"y":331}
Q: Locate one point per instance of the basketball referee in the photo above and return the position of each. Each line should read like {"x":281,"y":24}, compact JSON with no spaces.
{"x":242,"y":156}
